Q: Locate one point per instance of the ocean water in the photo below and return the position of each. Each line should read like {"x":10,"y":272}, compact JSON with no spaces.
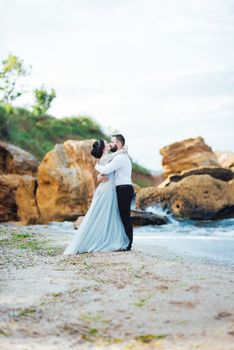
{"x":211,"y":241}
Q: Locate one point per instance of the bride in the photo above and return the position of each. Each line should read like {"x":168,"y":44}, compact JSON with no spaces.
{"x":101,"y":230}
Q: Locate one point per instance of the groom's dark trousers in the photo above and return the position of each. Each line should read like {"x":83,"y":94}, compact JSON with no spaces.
{"x":125,"y":195}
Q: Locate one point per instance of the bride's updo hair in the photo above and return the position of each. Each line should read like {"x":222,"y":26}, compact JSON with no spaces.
{"x":98,"y":148}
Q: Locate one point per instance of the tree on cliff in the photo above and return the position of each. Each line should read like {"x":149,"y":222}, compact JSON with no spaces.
{"x":12,"y":69}
{"x":43,"y":100}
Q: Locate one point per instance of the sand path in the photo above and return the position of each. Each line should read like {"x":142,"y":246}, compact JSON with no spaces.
{"x":128,"y":300}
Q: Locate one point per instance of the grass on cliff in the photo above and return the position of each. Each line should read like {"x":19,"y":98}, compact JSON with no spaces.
{"x":38,"y":135}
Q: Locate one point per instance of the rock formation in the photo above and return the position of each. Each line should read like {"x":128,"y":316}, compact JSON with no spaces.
{"x":142,"y":218}
{"x":187,"y":154}
{"x":14,"y":160}
{"x":196,"y":187}
{"x":195,"y":197}
{"x":66,"y":181}
{"x":215,"y":172}
{"x":63,"y":189}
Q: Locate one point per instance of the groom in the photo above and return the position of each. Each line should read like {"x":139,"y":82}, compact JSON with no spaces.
{"x":122,"y":167}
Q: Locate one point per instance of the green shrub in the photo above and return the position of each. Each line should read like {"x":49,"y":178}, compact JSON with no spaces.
{"x":38,"y":135}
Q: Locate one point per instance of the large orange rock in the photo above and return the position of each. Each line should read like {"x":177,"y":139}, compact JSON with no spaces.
{"x":14,"y":160}
{"x":194,"y":197}
{"x":27,"y":209}
{"x":66,"y":181}
{"x":187,"y":154}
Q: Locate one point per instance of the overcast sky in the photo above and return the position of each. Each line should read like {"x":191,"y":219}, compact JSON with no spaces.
{"x":157,"y":71}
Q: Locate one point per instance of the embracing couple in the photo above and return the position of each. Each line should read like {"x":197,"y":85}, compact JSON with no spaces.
{"x":107,"y":225}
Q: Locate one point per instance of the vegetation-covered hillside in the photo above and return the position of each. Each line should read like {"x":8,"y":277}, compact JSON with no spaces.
{"x":39,"y":134}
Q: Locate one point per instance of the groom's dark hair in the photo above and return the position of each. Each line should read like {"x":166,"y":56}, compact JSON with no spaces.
{"x":120,"y":138}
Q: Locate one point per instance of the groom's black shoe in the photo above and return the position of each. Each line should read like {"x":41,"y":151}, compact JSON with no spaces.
{"x":123,"y":250}
{"x":126,"y":249}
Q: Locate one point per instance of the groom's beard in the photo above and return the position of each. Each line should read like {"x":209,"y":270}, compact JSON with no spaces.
{"x":114,"y":149}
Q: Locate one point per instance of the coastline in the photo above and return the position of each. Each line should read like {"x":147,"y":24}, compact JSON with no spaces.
{"x":121,"y":300}
{"x":197,"y":257}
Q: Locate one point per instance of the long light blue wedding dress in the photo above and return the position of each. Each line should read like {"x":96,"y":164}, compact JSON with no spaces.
{"x":101,"y":229}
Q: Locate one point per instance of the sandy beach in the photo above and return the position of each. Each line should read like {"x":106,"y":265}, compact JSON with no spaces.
{"x":127,"y":300}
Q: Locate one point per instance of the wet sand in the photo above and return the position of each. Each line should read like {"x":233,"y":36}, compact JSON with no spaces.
{"x":127,"y":300}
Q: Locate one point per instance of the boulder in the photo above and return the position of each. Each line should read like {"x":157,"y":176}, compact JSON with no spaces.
{"x":142,"y":218}
{"x":27,"y":209}
{"x":201,"y":197}
{"x":14,"y":160}
{"x":8,"y":187}
{"x":66,"y":181}
{"x":187,"y":154}
{"x":215,"y":172}
{"x":139,"y":218}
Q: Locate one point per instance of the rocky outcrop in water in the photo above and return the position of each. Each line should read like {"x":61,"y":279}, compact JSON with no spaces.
{"x":201,"y":197}
{"x":139,"y":218}
{"x":198,"y":185}
{"x":215,"y":172}
{"x":142,"y":218}
{"x":187,"y":154}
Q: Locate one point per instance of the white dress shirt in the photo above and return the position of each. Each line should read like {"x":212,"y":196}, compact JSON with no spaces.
{"x":122,"y":167}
